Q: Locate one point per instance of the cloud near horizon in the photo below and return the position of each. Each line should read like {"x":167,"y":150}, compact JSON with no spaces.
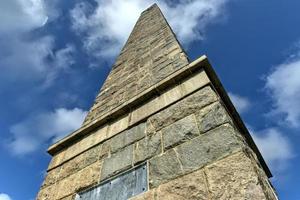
{"x":36,"y":131}
{"x":105,"y":28}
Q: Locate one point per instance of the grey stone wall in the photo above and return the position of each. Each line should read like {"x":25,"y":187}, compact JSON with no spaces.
{"x":190,"y":144}
{"x":151,"y":53}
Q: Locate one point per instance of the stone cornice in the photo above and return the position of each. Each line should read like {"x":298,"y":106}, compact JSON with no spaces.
{"x":127,"y":106}
{"x":201,"y":63}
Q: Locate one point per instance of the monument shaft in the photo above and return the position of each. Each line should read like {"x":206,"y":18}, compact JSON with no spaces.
{"x":161,"y":128}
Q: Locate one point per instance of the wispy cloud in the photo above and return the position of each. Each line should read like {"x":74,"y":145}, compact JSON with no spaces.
{"x":105,"y":28}
{"x":4,"y":196}
{"x":241,"y":103}
{"x":268,"y":140}
{"x":26,"y":55}
{"x":22,"y":15}
{"x":30,"y":134}
{"x":275,"y":147}
{"x":283,"y":85}
{"x":61,"y":60}
{"x":30,"y":59}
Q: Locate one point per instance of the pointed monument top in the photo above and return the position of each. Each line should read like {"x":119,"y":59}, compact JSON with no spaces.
{"x":152,"y":6}
{"x":150,"y":54}
{"x":145,"y":73}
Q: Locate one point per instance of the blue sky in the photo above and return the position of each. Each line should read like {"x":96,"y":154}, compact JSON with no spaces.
{"x":55,"y":55}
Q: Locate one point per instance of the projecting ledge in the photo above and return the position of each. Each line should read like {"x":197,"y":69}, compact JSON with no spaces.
{"x":154,"y":90}
{"x":233,"y":112}
{"x":199,"y":64}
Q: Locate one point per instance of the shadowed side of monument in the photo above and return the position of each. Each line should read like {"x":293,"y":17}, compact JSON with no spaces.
{"x":160,"y":128}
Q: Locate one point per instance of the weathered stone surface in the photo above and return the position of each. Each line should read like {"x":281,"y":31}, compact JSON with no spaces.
{"x":191,"y":186}
{"x":80,"y":161}
{"x":80,"y":146}
{"x":87,"y":142}
{"x":128,"y":137}
{"x":118,"y":126}
{"x":169,"y":96}
{"x":149,"y":195}
{"x":172,"y":95}
{"x":71,"y":197}
{"x":48,"y":193}
{"x":212,"y":116}
{"x":72,"y":166}
{"x":147,"y":109}
{"x":94,"y":138}
{"x":100,"y":134}
{"x":66,"y":186}
{"x":52,"y":177}
{"x":234,"y":178}
{"x":181,"y":109}
{"x":208,"y":148}
{"x":57,"y":159}
{"x":194,"y":83}
{"x":166,"y":98}
{"x":92,"y":155}
{"x":73,"y":150}
{"x":163,"y":168}
{"x":105,"y":149}
{"x":88,"y":176}
{"x":179,"y":132}
{"x":118,"y":161}
{"x":266,"y":185}
{"x":147,"y":147}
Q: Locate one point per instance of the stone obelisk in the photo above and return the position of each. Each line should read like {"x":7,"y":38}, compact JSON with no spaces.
{"x":162,"y":127}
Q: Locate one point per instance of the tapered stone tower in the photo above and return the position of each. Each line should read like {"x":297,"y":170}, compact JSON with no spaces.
{"x":161,"y":128}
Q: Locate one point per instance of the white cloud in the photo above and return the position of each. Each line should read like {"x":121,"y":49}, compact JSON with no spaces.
{"x":64,"y":57}
{"x":241,"y":103}
{"x":34,"y":60}
{"x":284,"y":87}
{"x":24,"y":55}
{"x":4,"y":196}
{"x":106,"y":27}
{"x":32,"y":133}
{"x":62,"y":60}
{"x":16,"y":61}
{"x":275,"y":148}
{"x":22,"y":15}
{"x":190,"y":18}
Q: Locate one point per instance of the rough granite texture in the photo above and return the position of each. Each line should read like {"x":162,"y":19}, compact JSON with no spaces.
{"x":192,"y":186}
{"x":196,"y":133}
{"x":234,"y":178}
{"x":183,"y":108}
{"x":192,"y":146}
{"x":180,"y":132}
{"x":119,"y":161}
{"x":147,"y":148}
